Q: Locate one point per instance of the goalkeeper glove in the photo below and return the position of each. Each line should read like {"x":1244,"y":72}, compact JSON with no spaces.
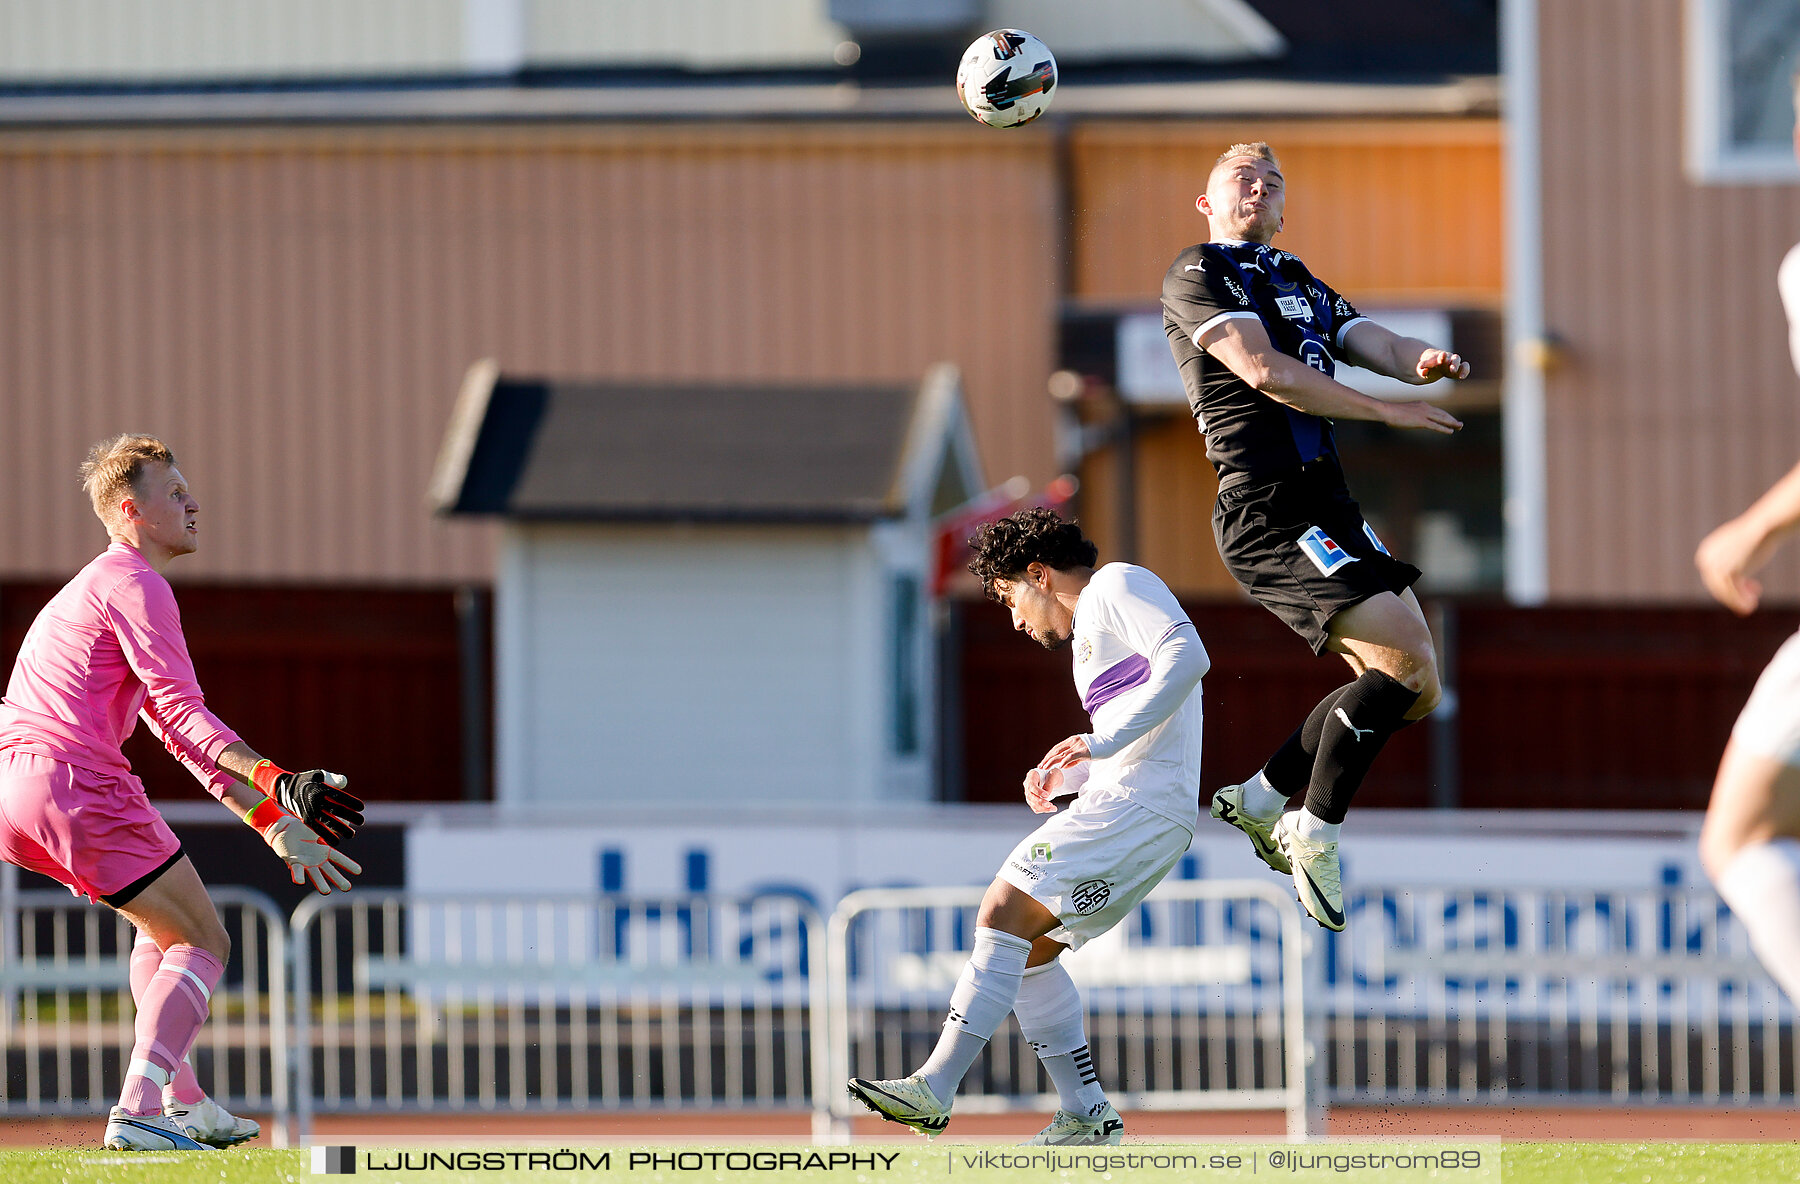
{"x":308,"y":857}
{"x":321,"y":800}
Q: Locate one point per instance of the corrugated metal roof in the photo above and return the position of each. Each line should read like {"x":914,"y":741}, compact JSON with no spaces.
{"x":94,"y":40}
{"x":125,"y":40}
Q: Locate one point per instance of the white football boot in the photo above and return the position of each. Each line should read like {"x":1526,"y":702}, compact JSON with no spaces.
{"x":1318,"y":881}
{"x":146,"y":1132}
{"x":1072,"y":1130}
{"x":907,"y":1101}
{"x":208,"y":1122}
{"x":1228,"y":807}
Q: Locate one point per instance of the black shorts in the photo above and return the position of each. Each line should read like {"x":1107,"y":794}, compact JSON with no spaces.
{"x":1300,"y":548}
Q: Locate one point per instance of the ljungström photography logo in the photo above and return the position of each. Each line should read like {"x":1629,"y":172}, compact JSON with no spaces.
{"x":334,"y":1161}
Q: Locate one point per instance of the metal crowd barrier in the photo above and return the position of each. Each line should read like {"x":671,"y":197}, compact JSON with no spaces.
{"x":66,"y":1013}
{"x":410,"y":1003}
{"x":415,"y":1003}
{"x":1196,"y":1003}
{"x":1495,"y":994}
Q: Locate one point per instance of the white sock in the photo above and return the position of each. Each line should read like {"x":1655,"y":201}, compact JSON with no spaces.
{"x":1762,"y":886}
{"x":1051,"y":1018}
{"x":1314,"y":829}
{"x":1090,"y":1098}
{"x":983,"y":995}
{"x":1261,"y":801}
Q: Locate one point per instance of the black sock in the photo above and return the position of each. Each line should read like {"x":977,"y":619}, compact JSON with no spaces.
{"x":1366,"y":713}
{"x":1289,"y":771}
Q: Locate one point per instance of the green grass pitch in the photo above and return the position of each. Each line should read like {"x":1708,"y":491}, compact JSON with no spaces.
{"x":919,"y":1163}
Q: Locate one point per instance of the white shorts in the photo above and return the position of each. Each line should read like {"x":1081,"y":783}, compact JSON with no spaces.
{"x":1093,"y":863}
{"x":1769,"y":725}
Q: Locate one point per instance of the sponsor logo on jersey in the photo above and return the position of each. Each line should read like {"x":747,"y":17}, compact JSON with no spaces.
{"x":1294,"y":308}
{"x":1315,"y":355}
{"x":1243,"y":297}
{"x":1026,"y":870}
{"x":1343,"y":308}
{"x":1084,"y":649}
{"x":1324,"y":551}
{"x":1369,"y":533}
{"x":1040,"y":852}
{"x":1090,"y":896}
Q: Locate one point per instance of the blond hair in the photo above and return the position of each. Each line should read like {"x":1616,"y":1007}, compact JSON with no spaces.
{"x":1256,"y":148}
{"x":113,"y":467}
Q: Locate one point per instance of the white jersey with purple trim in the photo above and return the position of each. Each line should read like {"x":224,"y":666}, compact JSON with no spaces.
{"x":1135,"y":649}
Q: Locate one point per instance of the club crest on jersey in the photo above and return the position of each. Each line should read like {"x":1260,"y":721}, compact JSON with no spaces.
{"x":1294,"y":308}
{"x":1369,"y":533}
{"x":1324,"y":551}
{"x":1084,"y":649}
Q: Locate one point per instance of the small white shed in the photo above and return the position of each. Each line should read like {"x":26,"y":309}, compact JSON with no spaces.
{"x":710,"y":593}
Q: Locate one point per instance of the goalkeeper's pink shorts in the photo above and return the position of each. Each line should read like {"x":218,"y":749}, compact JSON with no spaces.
{"x":95,"y":832}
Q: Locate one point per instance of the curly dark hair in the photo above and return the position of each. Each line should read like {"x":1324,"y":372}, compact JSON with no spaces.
{"x":1005,"y":548}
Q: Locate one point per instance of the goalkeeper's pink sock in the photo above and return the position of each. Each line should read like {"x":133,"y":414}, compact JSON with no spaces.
{"x":171,"y":1009}
{"x":145,"y":959}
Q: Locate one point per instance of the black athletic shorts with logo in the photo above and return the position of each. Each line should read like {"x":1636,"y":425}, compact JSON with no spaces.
{"x":1300,"y":548}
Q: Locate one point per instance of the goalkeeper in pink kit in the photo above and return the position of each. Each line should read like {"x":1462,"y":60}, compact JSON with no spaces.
{"x":106,"y":651}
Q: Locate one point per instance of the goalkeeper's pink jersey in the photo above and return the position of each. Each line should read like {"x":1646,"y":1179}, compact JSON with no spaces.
{"x":107,"y":647}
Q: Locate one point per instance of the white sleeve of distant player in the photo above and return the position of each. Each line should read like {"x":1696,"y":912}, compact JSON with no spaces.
{"x":1176,"y":668}
{"x":1787,"y":282}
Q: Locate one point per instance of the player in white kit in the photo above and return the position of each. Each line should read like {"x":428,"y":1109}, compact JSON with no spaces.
{"x":1135,"y":784}
{"x":1750,"y":842}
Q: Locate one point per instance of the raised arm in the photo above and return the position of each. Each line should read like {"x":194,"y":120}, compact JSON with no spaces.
{"x":1730,"y":556}
{"x":1242,"y":345}
{"x":1378,"y":348}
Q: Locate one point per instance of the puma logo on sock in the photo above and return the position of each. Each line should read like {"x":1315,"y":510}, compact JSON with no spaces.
{"x":1360,"y":732}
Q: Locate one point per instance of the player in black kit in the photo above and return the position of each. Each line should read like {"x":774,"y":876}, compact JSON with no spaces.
{"x":1257,"y":338}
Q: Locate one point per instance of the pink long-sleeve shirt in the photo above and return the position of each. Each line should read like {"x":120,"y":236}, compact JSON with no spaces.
{"x":105,"y":650}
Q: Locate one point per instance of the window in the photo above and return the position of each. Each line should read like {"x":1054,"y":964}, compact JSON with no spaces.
{"x":1740,"y":99}
{"x":903,"y":666}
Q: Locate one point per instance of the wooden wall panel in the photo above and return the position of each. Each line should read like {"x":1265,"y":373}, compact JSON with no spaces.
{"x":1675,"y":402}
{"x":294,"y":308}
{"x":1175,"y":491}
{"x":1394,"y":212}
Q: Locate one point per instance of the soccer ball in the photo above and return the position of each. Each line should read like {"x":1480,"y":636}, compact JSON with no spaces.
{"x":1006,"y":78}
